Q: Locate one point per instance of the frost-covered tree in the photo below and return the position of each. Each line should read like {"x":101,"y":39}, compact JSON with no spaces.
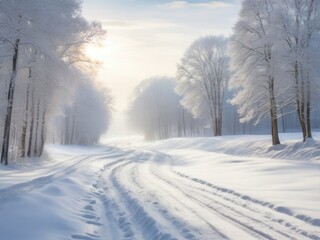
{"x":255,"y":66}
{"x":299,"y":25}
{"x":42,"y":46}
{"x":274,"y":61}
{"x":38,"y":97}
{"x":202,"y":78}
{"x":87,"y":118}
{"x":156,"y":112}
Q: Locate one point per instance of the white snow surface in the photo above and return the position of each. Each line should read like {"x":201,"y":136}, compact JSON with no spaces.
{"x":232,"y":187}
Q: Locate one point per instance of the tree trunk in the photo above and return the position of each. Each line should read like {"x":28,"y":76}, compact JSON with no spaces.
{"x":6,"y":135}
{"x":300,"y":102}
{"x":23,"y":139}
{"x":184,"y":123}
{"x":35,"y":148}
{"x":283,"y":121}
{"x":273,"y":113}
{"x":309,"y":128}
{"x":42,"y":134}
{"x":67,"y":128}
{"x":274,"y":130}
{"x":217,"y":126}
{"x":29,"y":154}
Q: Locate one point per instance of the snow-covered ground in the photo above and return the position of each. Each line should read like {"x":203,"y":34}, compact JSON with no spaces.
{"x":233,"y":187}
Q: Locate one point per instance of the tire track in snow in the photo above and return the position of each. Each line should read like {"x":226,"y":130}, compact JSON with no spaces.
{"x":97,"y":222}
{"x":280,"y":209}
{"x":40,"y":182}
{"x":135,"y":213}
{"x":278,"y":233}
{"x":215,"y":206}
{"x":152,"y":202}
{"x":291,"y":228}
{"x":182,"y":203}
{"x":115,"y":215}
{"x":255,"y":234}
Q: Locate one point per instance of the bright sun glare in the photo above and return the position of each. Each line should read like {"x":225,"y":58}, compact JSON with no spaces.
{"x":102,"y":51}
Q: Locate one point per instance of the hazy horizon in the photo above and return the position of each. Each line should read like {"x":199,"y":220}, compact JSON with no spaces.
{"x":148,"y":38}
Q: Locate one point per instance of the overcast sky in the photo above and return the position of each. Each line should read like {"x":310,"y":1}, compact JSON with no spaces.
{"x":148,"y":38}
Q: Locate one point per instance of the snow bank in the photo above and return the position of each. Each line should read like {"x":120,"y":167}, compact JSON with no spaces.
{"x":260,"y":146}
{"x":71,"y":194}
{"x":55,"y":198}
{"x":285,"y":178}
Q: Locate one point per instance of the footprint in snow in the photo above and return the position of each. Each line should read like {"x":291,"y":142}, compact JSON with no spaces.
{"x":84,"y":237}
{"x":89,"y":208}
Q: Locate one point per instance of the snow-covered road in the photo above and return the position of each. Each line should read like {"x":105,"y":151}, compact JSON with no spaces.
{"x":152,"y":201}
{"x":130,"y":193}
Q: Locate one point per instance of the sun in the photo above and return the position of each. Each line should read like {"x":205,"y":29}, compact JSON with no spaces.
{"x":95,"y":52}
{"x":102,"y":51}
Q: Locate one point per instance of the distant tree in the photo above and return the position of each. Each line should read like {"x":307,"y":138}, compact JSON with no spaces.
{"x":202,"y":79}
{"x":155,"y":110}
{"x":87,"y":118}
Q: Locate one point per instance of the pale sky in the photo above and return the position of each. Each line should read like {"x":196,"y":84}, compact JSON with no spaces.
{"x":148,"y":38}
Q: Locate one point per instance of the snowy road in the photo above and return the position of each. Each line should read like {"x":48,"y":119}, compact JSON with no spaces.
{"x":136,"y":194}
{"x":151,"y":201}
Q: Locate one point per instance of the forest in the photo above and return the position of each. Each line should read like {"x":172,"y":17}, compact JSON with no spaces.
{"x":48,"y":93}
{"x":264,"y":78}
{"x":159,"y":119}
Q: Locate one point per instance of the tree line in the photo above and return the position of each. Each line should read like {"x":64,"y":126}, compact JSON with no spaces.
{"x":156,"y":111}
{"x":265,"y":76}
{"x":45,"y":80}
